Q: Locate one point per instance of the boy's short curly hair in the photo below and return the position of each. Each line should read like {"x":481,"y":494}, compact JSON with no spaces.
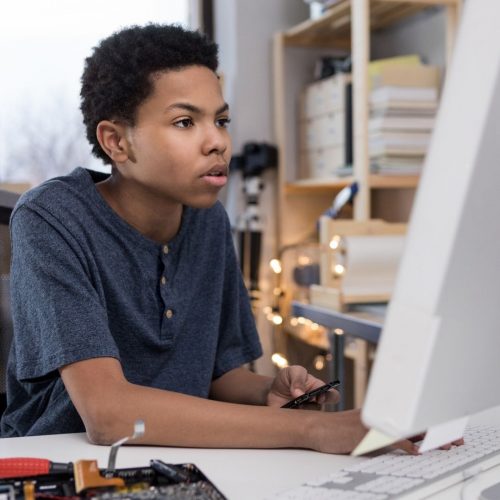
{"x":117,"y":76}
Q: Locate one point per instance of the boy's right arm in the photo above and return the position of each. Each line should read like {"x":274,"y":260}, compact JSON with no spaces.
{"x":109,"y":405}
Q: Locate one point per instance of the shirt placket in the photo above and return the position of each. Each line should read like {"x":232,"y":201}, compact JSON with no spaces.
{"x":169,"y":311}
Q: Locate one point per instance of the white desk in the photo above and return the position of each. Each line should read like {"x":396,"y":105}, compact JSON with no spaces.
{"x":239,"y":474}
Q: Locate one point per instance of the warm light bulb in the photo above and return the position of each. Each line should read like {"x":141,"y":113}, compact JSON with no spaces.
{"x":279,"y":360}
{"x":268,"y":309}
{"x":314,"y":326}
{"x":319,"y":362}
{"x":275,"y":265}
{"x":338,"y":331}
{"x":294,"y":321}
{"x":277,"y":319}
{"x":334,"y":242}
{"x":339,"y":269}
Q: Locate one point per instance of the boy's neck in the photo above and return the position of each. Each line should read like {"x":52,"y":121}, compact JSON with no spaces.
{"x":158,"y":220}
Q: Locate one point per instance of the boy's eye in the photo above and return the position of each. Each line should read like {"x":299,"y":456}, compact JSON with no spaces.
{"x":184,"y":123}
{"x":223,"y":122}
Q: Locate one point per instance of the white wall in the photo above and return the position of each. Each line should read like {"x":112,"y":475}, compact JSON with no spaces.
{"x":244,"y":31}
{"x":422,"y":34}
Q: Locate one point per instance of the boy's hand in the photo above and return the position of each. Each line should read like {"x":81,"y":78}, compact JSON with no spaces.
{"x":448,"y":446}
{"x":292,"y":382}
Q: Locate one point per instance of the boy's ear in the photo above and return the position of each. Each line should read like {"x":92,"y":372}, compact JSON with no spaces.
{"x":112,"y":138}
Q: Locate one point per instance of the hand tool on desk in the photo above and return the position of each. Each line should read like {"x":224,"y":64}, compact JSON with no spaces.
{"x":27,"y":466}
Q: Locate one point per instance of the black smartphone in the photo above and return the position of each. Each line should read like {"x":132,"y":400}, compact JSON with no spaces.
{"x":295,"y":403}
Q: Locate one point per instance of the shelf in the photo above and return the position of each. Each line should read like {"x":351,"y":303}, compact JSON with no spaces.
{"x":364,"y":322}
{"x":348,"y":24}
{"x":309,"y":185}
{"x":394,"y":181}
{"x":333,"y":28}
{"x":376,"y":182}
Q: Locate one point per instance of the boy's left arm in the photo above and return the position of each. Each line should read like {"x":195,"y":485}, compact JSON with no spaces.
{"x":243,"y":386}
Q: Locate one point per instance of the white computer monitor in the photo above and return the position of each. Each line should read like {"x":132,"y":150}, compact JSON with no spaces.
{"x":438,"y":360}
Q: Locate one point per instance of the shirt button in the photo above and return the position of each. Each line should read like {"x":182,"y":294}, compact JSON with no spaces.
{"x":165,"y":249}
{"x":163,"y":280}
{"x":169,"y":313}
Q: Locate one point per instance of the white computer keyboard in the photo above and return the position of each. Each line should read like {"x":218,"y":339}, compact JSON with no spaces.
{"x":398,"y":475}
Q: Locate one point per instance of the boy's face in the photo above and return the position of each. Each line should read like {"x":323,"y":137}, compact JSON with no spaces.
{"x":180,"y":146}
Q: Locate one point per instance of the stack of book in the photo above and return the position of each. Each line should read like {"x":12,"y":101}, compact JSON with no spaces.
{"x":403,"y":104}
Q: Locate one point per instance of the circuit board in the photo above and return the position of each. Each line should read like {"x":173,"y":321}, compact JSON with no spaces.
{"x":158,"y":481}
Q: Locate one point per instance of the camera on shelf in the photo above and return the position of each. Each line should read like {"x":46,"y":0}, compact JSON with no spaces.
{"x":254,"y":159}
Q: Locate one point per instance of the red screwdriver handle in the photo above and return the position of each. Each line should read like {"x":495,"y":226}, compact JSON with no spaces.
{"x":23,"y":466}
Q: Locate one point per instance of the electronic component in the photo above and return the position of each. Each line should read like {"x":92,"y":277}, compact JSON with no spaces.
{"x":86,"y":481}
{"x":139,"y":429}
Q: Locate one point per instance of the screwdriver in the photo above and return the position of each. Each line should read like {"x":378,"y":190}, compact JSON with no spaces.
{"x":25,"y":466}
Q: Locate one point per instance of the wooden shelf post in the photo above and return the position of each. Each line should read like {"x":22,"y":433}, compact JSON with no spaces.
{"x":360,"y":29}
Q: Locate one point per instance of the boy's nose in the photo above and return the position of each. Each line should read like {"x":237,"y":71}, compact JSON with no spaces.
{"x":215,"y":141}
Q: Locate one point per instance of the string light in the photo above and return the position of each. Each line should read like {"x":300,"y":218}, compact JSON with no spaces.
{"x":319,"y":362}
{"x":275,"y":265}
{"x":338,"y":269}
{"x":273,"y":312}
{"x":335,"y":242}
{"x":277,"y":319}
{"x":279,"y":360}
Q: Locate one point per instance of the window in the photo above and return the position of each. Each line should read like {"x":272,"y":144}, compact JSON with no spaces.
{"x":43,"y":44}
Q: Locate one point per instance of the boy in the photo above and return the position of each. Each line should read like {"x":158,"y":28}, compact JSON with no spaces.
{"x":127,"y":298}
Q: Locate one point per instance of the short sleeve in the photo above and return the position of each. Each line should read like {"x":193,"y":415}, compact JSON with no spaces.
{"x":58,"y":313}
{"x":239,"y":340}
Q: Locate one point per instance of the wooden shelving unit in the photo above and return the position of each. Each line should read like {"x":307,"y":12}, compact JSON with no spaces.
{"x":376,"y":182}
{"x":345,"y":26}
{"x":334,"y":27}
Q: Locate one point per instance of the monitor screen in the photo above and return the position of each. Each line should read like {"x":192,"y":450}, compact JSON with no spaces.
{"x":438,"y":360}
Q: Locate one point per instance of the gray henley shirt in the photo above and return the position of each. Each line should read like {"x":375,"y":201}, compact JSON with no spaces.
{"x":85,"y":284}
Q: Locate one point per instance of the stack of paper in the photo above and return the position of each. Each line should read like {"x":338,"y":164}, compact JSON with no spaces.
{"x":403,"y":103}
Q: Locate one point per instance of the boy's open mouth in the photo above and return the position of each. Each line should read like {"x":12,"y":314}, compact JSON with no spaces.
{"x":217,"y":171}
{"x":217,"y":175}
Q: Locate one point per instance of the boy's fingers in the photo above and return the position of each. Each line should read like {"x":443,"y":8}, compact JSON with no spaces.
{"x":406,"y":445}
{"x":416,"y":438}
{"x":409,"y":445}
{"x":457,"y":442}
{"x":301,"y":381}
{"x":297,"y":376}
{"x":332,"y":396}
